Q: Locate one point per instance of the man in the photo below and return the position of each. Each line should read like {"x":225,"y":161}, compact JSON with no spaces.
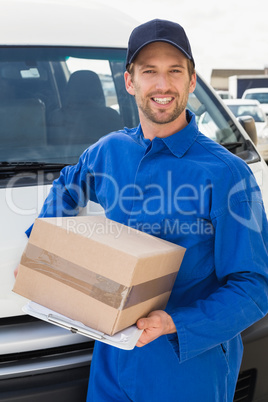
{"x":177,"y":184}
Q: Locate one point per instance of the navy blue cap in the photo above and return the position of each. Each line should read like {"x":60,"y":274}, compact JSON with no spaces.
{"x":158,"y":31}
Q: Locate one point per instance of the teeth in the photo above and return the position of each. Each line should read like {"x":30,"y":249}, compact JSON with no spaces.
{"x":162,"y":101}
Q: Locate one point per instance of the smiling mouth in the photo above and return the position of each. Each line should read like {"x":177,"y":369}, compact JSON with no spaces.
{"x":163,"y":101}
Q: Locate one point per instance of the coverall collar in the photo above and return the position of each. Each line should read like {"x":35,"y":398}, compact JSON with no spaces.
{"x":181,"y":141}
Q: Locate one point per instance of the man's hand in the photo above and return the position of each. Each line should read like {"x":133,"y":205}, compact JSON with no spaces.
{"x":156,"y":324}
{"x":16,"y":271}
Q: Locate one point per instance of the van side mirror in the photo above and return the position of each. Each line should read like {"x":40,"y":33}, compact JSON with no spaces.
{"x":248,"y":124}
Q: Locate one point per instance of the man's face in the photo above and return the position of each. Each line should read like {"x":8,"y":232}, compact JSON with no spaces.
{"x":160,"y":83}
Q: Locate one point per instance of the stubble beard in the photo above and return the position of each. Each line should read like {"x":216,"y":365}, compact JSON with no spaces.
{"x":162,"y":116}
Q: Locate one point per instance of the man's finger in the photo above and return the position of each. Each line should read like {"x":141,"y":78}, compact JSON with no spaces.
{"x":16,"y":271}
{"x":144,"y":323}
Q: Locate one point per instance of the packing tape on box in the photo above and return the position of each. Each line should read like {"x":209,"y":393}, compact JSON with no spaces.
{"x":89,"y":282}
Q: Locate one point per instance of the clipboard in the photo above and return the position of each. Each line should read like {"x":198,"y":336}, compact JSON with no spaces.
{"x":125,"y":339}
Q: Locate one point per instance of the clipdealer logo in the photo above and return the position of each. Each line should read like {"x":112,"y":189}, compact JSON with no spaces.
{"x":177,"y":200}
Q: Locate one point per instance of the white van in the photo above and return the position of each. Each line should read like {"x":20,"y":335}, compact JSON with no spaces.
{"x":61,"y":88}
{"x":259,"y":94}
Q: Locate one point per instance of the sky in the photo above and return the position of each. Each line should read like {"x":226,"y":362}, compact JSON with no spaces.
{"x":223,"y":34}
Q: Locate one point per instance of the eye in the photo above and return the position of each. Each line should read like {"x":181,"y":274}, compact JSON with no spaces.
{"x":148,"y":71}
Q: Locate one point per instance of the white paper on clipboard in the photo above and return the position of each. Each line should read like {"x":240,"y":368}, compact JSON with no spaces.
{"x":125,"y":339}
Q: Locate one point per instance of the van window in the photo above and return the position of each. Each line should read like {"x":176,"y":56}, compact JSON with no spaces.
{"x":216,"y":123}
{"x":57,"y":101}
{"x":251,"y":110}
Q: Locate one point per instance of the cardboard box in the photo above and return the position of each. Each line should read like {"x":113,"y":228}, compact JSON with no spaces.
{"x":97,"y":271}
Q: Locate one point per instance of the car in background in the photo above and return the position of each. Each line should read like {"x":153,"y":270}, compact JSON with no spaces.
{"x":224,"y":94}
{"x":260,"y":94}
{"x":245,"y":107}
{"x":62,"y":67}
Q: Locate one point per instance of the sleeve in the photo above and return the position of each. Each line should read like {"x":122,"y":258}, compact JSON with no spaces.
{"x":241,"y":267}
{"x":71,"y":191}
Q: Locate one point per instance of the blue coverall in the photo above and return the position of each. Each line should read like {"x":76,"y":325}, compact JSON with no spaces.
{"x":187,"y":189}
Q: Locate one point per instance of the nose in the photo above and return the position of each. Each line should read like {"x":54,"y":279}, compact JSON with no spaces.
{"x":162,"y":82}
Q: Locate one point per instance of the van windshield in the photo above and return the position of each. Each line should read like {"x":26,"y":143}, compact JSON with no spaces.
{"x":57,"y":101}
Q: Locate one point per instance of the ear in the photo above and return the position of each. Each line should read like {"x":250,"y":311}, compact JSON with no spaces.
{"x":192,"y":83}
{"x":129,"y":84}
